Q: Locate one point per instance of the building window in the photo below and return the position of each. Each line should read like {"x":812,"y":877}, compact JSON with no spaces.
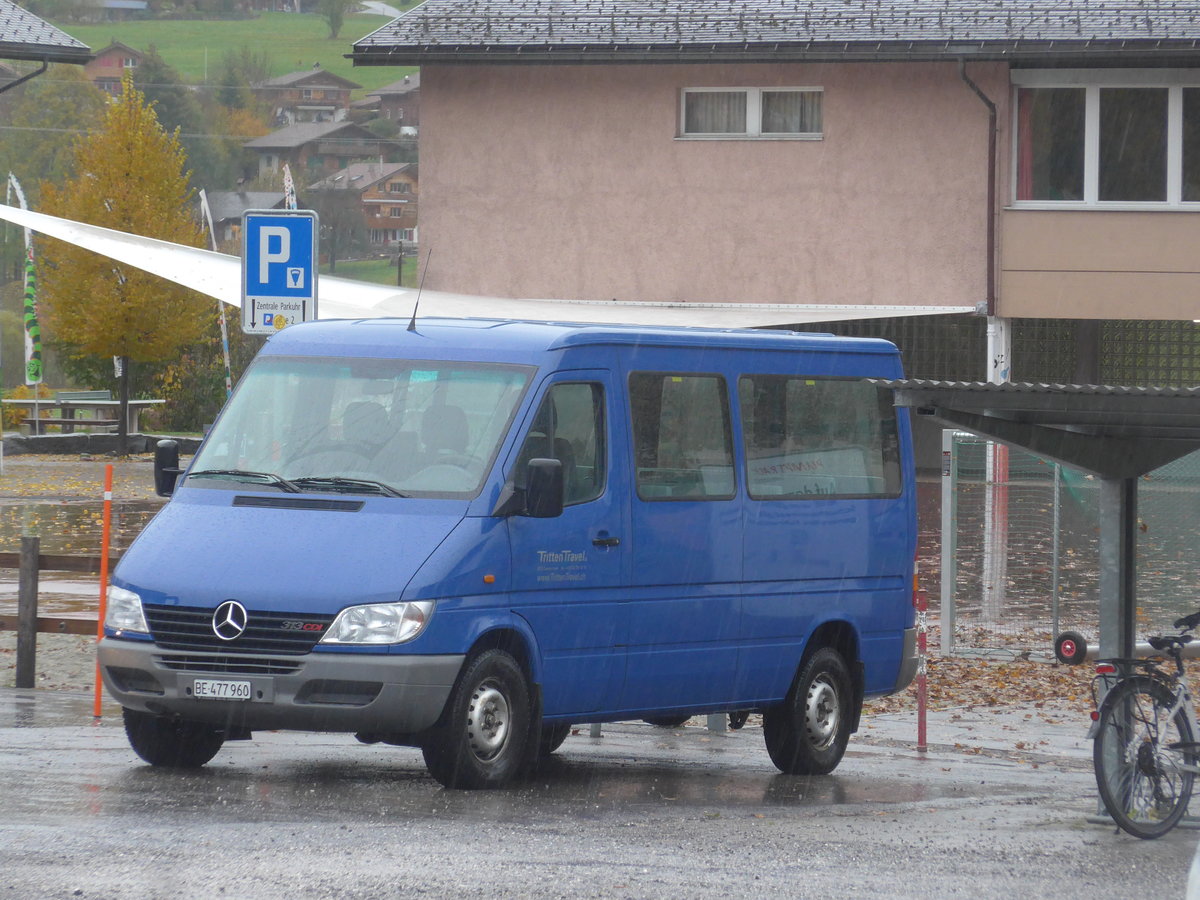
{"x":1106,"y":138}
{"x":751,"y":113}
{"x":399,"y":187}
{"x":395,"y":211}
{"x":130,"y":62}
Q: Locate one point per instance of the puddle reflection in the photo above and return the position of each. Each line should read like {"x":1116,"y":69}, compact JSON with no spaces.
{"x":72,"y":528}
{"x":379,"y":790}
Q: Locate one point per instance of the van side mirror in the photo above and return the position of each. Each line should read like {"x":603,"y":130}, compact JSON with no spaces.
{"x":541,"y":497}
{"x":544,"y":489}
{"x":166,"y":467}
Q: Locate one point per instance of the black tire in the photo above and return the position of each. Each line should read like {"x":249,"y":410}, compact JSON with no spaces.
{"x":668,"y":721}
{"x":807,"y":733}
{"x":484,"y":739}
{"x":171,"y":743}
{"x":552,"y":738}
{"x":1142,"y":780}
{"x":1070,"y":648}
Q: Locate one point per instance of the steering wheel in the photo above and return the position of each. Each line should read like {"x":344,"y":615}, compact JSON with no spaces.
{"x":462,"y":460}
{"x":330,"y":448}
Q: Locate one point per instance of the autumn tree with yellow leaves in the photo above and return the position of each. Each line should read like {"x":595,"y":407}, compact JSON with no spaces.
{"x":130,"y":175}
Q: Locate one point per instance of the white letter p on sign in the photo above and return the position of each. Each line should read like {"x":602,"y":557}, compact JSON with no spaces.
{"x":265,"y":256}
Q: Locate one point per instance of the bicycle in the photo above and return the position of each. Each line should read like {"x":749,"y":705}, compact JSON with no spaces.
{"x":1145,"y":752}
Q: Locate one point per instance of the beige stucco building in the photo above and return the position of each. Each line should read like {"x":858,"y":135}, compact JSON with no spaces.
{"x":1029,"y":160}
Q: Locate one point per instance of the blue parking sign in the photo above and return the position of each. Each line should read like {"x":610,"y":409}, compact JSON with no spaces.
{"x":279,"y":269}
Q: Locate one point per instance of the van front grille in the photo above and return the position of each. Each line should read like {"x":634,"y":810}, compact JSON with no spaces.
{"x":230,"y":665}
{"x":191,"y":628}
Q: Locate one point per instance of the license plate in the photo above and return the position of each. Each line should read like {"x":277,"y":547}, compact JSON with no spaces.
{"x":217,"y":689}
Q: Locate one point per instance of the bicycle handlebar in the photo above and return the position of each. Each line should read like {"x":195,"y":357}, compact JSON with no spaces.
{"x":1187,"y":623}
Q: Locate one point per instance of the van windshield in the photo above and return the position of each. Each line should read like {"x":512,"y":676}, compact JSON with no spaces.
{"x":372,"y":426}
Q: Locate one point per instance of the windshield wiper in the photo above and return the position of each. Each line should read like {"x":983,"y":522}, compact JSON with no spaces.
{"x":243,"y":475}
{"x":351,"y":485}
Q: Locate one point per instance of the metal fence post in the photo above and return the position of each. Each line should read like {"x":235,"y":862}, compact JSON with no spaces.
{"x":27,"y":610}
{"x":949,"y":538}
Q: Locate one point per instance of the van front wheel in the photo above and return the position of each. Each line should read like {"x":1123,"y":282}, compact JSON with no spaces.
{"x":807,"y":733}
{"x":484,"y":739}
{"x":171,"y":743}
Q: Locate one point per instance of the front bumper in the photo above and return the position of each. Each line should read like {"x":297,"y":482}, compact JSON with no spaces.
{"x":350,"y":692}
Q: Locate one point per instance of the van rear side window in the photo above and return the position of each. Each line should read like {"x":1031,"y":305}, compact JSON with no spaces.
{"x":681,"y":436}
{"x":818,"y":437}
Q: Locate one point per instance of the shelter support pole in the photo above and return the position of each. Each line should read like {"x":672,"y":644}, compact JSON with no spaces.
{"x":995,"y":513}
{"x":1118,"y":566}
{"x":1118,"y":558}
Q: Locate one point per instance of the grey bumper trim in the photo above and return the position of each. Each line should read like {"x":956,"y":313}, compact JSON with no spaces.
{"x":350,"y":692}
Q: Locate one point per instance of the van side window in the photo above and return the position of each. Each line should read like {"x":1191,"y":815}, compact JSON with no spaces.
{"x":818,"y":437}
{"x":569,"y":426}
{"x":681,"y":436}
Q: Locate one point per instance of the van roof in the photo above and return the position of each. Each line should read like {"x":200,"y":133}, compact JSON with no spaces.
{"x":386,"y":336}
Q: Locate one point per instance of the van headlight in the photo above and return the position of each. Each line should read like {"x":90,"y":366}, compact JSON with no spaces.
{"x":379,"y":623}
{"x":123,"y":612}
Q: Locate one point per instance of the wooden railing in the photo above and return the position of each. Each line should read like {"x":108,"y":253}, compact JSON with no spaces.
{"x":27,"y":623}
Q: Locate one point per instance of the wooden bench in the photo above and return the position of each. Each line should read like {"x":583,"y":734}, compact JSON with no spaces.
{"x":67,"y":420}
{"x":66,"y":424}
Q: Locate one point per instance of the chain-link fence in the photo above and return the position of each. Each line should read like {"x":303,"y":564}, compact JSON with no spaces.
{"x":1019,"y":548}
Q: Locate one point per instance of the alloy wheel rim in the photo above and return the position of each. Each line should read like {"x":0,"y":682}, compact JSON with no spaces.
{"x":822,"y":713}
{"x":488,"y":721}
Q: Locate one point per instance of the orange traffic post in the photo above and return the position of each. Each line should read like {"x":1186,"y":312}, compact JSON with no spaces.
{"x":105,"y":536}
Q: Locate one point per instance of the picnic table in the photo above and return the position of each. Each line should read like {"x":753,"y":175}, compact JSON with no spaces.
{"x":82,"y":409}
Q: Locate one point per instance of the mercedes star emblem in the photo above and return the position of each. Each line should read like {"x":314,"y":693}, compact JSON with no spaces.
{"x":229,"y":621}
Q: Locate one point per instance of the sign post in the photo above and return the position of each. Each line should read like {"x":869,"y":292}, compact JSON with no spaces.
{"x":279,"y":269}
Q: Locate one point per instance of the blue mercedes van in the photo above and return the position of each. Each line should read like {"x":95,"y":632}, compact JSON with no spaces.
{"x":469,"y":535}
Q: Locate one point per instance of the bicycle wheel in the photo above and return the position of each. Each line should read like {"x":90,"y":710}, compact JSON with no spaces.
{"x":1144,"y":757}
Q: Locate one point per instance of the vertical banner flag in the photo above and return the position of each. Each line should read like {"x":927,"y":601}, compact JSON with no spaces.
{"x":33,"y":331}
{"x":289,"y":188}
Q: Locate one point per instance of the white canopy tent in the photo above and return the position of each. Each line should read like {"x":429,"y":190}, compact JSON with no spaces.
{"x":219,"y":275}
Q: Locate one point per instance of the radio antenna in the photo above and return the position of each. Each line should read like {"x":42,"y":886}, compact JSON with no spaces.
{"x":412,"y":323}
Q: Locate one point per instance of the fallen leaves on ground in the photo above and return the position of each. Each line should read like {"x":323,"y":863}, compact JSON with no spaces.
{"x":66,"y":478}
{"x":972,"y":681}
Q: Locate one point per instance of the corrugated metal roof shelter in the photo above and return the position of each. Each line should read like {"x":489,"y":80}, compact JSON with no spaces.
{"x":24,"y":36}
{"x":1116,"y":433}
{"x":530,"y":31}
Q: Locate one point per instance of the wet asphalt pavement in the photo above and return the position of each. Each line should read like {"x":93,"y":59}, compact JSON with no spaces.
{"x":639,"y":812}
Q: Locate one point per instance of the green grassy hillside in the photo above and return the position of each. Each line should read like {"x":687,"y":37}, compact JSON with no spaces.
{"x":293,"y":41}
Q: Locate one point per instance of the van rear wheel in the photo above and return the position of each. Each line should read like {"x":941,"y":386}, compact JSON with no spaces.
{"x":171,"y":743}
{"x":484,"y":740}
{"x":807,"y":733}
